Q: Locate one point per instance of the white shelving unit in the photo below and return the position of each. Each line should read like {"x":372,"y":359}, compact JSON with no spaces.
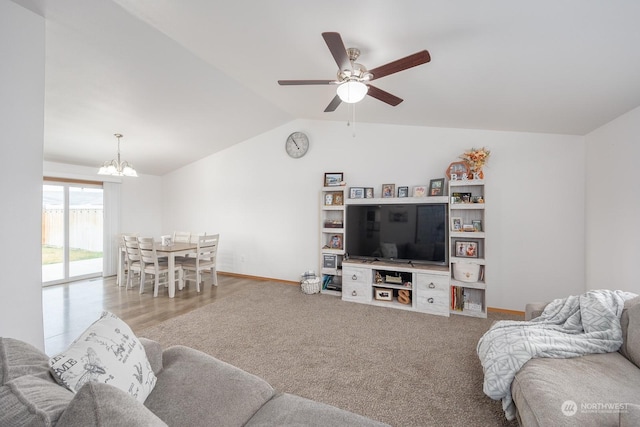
{"x":332,"y":238}
{"x":467,"y":256}
{"x":457,"y":288}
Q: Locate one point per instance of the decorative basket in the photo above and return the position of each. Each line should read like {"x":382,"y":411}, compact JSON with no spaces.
{"x":310,"y":286}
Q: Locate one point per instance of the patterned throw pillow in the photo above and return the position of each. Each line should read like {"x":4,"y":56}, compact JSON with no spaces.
{"x":107,"y":352}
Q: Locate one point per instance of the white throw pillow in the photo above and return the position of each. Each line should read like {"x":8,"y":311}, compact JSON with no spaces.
{"x":107,"y":352}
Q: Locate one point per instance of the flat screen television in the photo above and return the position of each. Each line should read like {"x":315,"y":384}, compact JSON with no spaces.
{"x":411,"y":233}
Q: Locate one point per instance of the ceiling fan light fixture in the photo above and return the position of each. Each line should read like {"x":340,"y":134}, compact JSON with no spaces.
{"x":352,"y":91}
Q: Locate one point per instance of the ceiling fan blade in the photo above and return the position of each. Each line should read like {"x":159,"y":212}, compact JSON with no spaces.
{"x":305,"y":82}
{"x":383,"y":96}
{"x":402,"y":64}
{"x":333,"y":104}
{"x":337,"y":49}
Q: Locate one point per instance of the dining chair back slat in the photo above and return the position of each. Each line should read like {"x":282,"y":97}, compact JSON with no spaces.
{"x":204,"y":260}
{"x":181,"y":237}
{"x":133,"y":262}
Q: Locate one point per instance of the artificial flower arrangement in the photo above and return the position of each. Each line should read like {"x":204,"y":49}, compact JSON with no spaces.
{"x":476,"y":159}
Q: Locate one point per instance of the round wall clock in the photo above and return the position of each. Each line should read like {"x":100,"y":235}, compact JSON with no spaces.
{"x":297,"y":145}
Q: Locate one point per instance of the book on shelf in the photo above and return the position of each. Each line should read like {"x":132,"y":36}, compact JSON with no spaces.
{"x":468,"y":299}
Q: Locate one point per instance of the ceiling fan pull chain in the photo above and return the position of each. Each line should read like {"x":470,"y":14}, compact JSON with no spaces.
{"x":353,"y":128}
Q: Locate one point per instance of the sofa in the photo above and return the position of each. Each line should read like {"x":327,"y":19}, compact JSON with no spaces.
{"x":191,"y":389}
{"x":591,"y":390}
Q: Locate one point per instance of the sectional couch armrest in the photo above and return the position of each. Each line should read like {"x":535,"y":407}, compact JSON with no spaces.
{"x":534,"y":309}
{"x":154,"y":353}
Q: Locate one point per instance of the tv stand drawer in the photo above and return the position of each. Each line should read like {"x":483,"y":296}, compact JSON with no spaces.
{"x":356,"y":275}
{"x":358,"y":292}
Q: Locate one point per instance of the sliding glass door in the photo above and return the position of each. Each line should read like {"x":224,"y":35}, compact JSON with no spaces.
{"x":72,"y":231}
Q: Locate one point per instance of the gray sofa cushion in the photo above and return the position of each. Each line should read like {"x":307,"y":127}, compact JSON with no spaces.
{"x":195,"y":389}
{"x":18,"y":358}
{"x":288,"y":410}
{"x":630,"y":322}
{"x":630,"y":416}
{"x":28,"y":393}
{"x":99,"y":404}
{"x":154,"y":353}
{"x":543,"y":386}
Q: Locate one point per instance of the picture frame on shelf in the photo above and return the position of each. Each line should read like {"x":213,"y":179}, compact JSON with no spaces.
{"x":477,"y":224}
{"x":388,"y":190}
{"x":403,"y":191}
{"x":368,"y":193}
{"x":328,"y":199}
{"x":436,"y":187}
{"x":356,"y":193}
{"x":329,"y":261}
{"x":456,"y":223}
{"x":466,"y":249}
{"x":333,"y":179}
{"x":335,"y":242}
{"x":458,"y":171}
{"x":460,"y":198}
{"x":383,"y":294}
{"x":337,"y":199}
{"x":419,"y":191}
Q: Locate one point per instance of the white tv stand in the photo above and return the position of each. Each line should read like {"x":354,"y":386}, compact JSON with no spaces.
{"x":427,"y":285}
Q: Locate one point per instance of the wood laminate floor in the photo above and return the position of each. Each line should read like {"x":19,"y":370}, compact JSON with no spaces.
{"x":70,"y":308}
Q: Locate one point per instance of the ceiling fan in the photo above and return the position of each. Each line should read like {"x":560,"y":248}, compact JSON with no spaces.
{"x":353,"y":78}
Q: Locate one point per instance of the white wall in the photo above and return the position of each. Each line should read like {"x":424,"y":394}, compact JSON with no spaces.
{"x":266,"y":205}
{"x":613,"y":204}
{"x":22,"y":49}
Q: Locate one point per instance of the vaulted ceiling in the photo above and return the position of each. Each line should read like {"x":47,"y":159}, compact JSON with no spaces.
{"x":185,"y":79}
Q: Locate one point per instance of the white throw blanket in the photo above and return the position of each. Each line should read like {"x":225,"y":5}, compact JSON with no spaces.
{"x":568,"y":327}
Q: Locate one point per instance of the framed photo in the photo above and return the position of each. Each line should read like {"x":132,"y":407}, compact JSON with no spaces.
{"x":328,"y":199}
{"x":458,"y":171}
{"x":466,"y":249}
{"x":456,"y":223}
{"x":336,"y":241}
{"x":403,"y":191}
{"x":333,"y":179}
{"x":419,"y":191}
{"x":436,"y":187}
{"x":368,"y":193}
{"x":383,"y":294}
{"x":477,"y":224}
{"x":337,"y":199}
{"x":356,"y":193}
{"x":388,"y":190}
{"x":460,"y":197}
{"x":329,"y":261}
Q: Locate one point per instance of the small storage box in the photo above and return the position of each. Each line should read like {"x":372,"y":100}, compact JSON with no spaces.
{"x":466,"y":272}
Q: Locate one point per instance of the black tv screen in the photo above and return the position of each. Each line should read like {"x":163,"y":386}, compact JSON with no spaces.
{"x":398,"y":232}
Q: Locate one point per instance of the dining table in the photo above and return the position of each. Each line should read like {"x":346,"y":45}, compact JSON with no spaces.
{"x":171,"y":252}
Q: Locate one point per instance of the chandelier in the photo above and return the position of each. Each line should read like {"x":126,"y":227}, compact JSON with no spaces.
{"x":116,"y":167}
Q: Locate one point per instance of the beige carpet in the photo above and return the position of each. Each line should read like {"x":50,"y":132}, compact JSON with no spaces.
{"x":402,"y":368}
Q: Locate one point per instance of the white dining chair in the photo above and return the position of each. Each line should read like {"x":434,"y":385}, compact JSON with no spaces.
{"x":159,"y":268}
{"x":132,"y":255}
{"x":204,"y":260}
{"x":181,"y":237}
